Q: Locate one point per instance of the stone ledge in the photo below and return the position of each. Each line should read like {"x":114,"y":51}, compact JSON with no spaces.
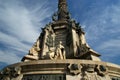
{"x":68,"y":67}
{"x":110,"y":66}
{"x":66,"y":61}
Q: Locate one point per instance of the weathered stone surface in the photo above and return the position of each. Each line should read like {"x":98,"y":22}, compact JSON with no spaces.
{"x":61,"y":53}
{"x":72,"y":69}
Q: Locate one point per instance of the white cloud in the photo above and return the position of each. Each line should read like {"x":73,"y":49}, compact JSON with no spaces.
{"x":18,"y":21}
{"x":110,"y":44}
{"x":9,"y":57}
{"x":103,"y":30}
{"x":20,"y":26}
{"x":102,"y":22}
{"x":12,"y":42}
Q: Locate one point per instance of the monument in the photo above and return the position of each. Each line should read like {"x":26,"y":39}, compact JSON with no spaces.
{"x":61,"y":53}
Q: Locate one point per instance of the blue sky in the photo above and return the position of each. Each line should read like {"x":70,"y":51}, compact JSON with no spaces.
{"x":21,"y":22}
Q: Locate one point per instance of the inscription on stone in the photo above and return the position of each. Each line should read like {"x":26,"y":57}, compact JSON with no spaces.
{"x":45,"y":77}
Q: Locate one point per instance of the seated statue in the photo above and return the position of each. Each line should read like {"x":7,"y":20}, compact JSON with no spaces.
{"x":58,"y":53}
{"x":33,"y":52}
{"x":35,"y":49}
{"x":52,"y":54}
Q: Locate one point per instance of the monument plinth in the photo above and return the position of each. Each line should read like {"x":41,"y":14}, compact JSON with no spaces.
{"x":61,"y":53}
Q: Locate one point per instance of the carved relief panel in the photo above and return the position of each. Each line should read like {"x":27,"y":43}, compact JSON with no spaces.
{"x":45,"y":77}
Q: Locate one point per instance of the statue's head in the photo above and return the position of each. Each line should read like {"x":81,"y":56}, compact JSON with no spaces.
{"x":60,"y":42}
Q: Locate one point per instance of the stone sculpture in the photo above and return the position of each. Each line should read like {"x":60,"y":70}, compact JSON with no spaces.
{"x":33,"y":52}
{"x":60,"y":51}
{"x":10,"y":73}
{"x":35,"y":49}
{"x":50,"y":39}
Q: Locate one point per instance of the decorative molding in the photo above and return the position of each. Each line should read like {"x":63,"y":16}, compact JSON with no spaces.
{"x":75,"y":68}
{"x":101,"y":70}
{"x":10,"y":72}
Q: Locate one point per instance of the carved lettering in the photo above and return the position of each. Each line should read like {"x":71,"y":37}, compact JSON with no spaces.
{"x":44,"y":77}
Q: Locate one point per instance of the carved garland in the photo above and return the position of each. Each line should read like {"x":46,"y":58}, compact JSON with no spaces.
{"x":9,"y":73}
{"x":74,"y":69}
{"x":88,"y":70}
